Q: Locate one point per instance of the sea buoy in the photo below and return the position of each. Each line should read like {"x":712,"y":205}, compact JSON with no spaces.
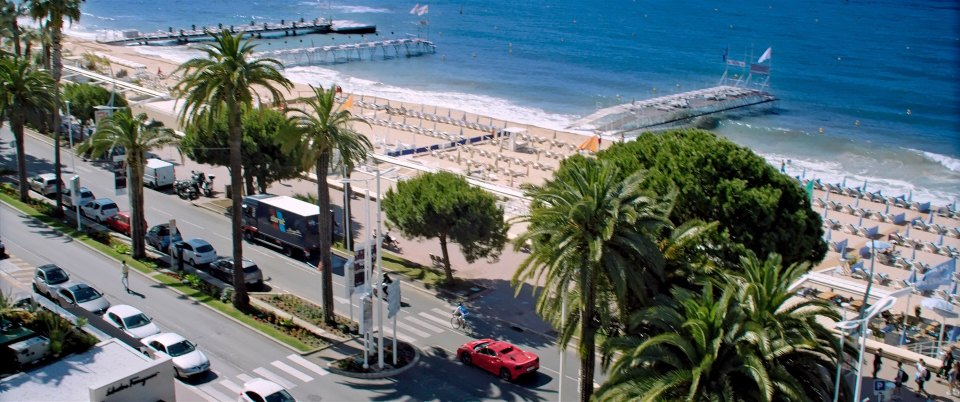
{"x":821,"y":130}
{"x":909,"y":112}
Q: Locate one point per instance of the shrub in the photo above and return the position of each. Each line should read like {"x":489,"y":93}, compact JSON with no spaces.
{"x":226,"y":296}
{"x":121,"y":248}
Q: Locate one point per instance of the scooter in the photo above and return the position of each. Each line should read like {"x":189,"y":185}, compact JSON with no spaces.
{"x":186,"y":190}
{"x":389,"y":242}
{"x":204,"y":182}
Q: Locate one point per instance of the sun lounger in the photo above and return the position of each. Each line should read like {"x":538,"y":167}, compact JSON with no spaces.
{"x":832,"y":223}
{"x":848,"y":209}
{"x":852,"y":229}
{"x":920,"y":224}
{"x":934,"y":248}
{"x":876,"y":197}
{"x":819,"y":202}
{"x":836,"y":206}
{"x":866,"y":213}
{"x":872,"y":233}
{"x":951,"y":251}
{"x":955,"y":232}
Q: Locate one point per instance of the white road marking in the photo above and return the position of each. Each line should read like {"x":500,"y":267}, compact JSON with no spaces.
{"x":423,"y":324}
{"x":232,"y":386}
{"x":401,"y":336}
{"x":292,"y":371}
{"x":308,"y":365}
{"x":222,"y":236}
{"x":434,"y":318}
{"x":162,"y":212}
{"x":441,"y":312}
{"x":214,"y":395}
{"x":261,"y":252}
{"x":274,"y":377}
{"x":190,"y":223}
{"x":244,"y":377}
{"x":341,"y":300}
{"x":412,"y":329}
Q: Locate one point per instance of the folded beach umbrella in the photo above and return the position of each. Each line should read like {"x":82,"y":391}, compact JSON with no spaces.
{"x":844,"y":184}
{"x":931,"y":218}
{"x":829,"y":234}
{"x":913,"y":276}
{"x":935,"y":304}
{"x":857,"y":202}
{"x":864,"y":189}
{"x":954,"y":289}
{"x":907,"y":233}
{"x":940,"y":243}
{"x":887,"y":210}
{"x":860,"y":222}
{"x":913,"y":254}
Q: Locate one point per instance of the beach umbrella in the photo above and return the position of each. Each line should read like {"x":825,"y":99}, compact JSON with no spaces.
{"x":953,"y":335}
{"x":844,"y":185}
{"x":930,"y":221}
{"x":860,"y":222}
{"x":910,"y":197}
{"x":857,"y":202}
{"x":829,"y":235}
{"x":955,"y":288}
{"x":907,"y":233}
{"x":913,"y":276}
{"x":887,"y":209}
{"x":940,"y":243}
{"x":936,"y":303}
{"x":804,"y":174}
{"x":913,"y":255}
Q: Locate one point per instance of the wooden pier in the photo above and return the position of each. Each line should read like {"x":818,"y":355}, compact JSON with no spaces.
{"x":386,"y":49}
{"x":183,"y":36}
{"x":673,"y":110}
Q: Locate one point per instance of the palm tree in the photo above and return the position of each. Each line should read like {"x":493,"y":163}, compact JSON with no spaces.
{"x":223,"y":82}
{"x":589,"y":231}
{"x":9,"y":27}
{"x":55,"y":11}
{"x":24,"y":89}
{"x":137,"y":135}
{"x":324,"y":128}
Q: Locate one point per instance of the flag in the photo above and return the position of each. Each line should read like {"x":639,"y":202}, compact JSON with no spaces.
{"x":765,"y":56}
{"x":423,"y":9}
{"x":415,"y":9}
{"x":725,"y":50}
{"x":937,"y":276}
{"x":348,"y":104}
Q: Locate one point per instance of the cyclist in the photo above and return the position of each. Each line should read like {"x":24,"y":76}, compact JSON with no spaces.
{"x":461,"y":312}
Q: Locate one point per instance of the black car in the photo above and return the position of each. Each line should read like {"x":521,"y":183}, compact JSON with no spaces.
{"x":3,"y":249}
{"x":222,"y":269}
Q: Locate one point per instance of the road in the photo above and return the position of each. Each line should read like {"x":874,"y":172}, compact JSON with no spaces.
{"x":424,"y":321}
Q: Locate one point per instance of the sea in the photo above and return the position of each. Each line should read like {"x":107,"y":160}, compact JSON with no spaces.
{"x":869,"y":89}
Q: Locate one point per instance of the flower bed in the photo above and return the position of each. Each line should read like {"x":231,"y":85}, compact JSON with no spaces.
{"x":307,"y":311}
{"x":354,"y":363}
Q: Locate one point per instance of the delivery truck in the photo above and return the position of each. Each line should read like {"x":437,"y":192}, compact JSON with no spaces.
{"x":285,"y":223}
{"x":158,"y":173}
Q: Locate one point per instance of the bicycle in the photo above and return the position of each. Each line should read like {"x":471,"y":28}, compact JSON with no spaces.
{"x":457,"y":321}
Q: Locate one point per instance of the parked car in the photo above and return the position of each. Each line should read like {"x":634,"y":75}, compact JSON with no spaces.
{"x":131,"y":321}
{"x":500,"y":358}
{"x":187,"y":359}
{"x":195,"y":251}
{"x":83,"y":296}
{"x":45,"y":184}
{"x":47,"y":278}
{"x":222,"y":268}
{"x":85,"y":197}
{"x":3,"y":249}
{"x":99,"y":210}
{"x":159,"y":237}
{"x":121,"y":222}
{"x":260,"y":390}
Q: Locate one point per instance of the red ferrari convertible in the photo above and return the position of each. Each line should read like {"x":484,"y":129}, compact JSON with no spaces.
{"x":500,"y":358}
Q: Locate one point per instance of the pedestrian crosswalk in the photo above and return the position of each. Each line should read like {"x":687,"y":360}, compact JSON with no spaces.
{"x":289,"y":372}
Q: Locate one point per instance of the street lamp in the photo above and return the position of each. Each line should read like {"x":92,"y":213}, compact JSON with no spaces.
{"x":861,"y":324}
{"x":73,"y":163}
{"x":840,"y":358}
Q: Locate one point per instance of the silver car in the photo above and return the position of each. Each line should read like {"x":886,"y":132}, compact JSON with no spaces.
{"x":85,"y":196}
{"x":47,"y":278}
{"x":83,"y":296}
{"x":222,"y":268}
{"x":195,"y":251}
{"x":45,"y":183}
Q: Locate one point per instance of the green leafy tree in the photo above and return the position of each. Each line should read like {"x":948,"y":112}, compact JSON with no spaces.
{"x":590,"y":230}
{"x":84,"y":98}
{"x":322,"y":129}
{"x":54,"y":12}
{"x":138,"y":136}
{"x":9,"y":27}
{"x":264,"y":161}
{"x":224,"y":82}
{"x":24,"y":89}
{"x":444,"y":206}
{"x":756,"y":207}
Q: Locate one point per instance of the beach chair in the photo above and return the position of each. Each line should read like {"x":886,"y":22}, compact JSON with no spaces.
{"x":872,"y":233}
{"x":836,"y":206}
{"x":848,"y":209}
{"x":832,"y":223}
{"x":866,"y":213}
{"x":834,"y":188}
{"x":938,"y":229}
{"x":955,"y":232}
{"x":951,"y":251}
{"x":920,"y":224}
{"x":852,"y":229}
{"x":934,"y":248}
{"x":883,"y":279}
{"x":877,"y":197}
{"x":819,"y":202}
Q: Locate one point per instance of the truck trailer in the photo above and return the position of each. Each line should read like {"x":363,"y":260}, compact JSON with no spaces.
{"x":283,"y":222}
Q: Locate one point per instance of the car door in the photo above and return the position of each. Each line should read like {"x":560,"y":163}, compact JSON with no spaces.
{"x":115,"y":320}
{"x":187,"y":251}
{"x":156,"y":345}
{"x":41,"y":281}
{"x":485,"y":360}
{"x":65,"y":298}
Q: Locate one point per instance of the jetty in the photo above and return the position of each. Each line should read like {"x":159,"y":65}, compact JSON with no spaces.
{"x":183,"y":36}
{"x":386,"y":49}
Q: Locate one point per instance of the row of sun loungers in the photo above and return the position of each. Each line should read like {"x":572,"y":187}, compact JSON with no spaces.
{"x":902,"y":201}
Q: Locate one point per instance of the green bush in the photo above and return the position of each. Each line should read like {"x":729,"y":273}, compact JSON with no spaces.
{"x":121,"y":248}
{"x":226,"y":296}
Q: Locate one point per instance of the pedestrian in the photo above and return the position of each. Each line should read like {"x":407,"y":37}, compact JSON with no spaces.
{"x":898,"y":382}
{"x":921,"y":376}
{"x":125,"y":275}
{"x":877,"y":362}
{"x":946,"y":364}
{"x":952,"y":375}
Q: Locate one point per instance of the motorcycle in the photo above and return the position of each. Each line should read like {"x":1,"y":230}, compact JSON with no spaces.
{"x":186,"y":189}
{"x":203,"y":182}
{"x":389,"y":242}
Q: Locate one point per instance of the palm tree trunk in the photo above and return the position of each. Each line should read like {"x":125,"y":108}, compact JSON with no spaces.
{"x":16,"y":124}
{"x":16,"y":37}
{"x":324,"y":227}
{"x":588,"y":356}
{"x":135,"y":178}
{"x":248,"y":180}
{"x":447,"y":271}
{"x":56,"y":73}
{"x":241,"y":300}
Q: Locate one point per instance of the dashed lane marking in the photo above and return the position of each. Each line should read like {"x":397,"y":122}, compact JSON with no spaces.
{"x":232,"y":386}
{"x":292,"y":371}
{"x":274,"y":377}
{"x":412,"y":329}
{"x":433,"y":318}
{"x":308,"y":365}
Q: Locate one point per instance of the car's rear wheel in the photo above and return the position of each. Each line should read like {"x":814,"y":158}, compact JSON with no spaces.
{"x":288,"y":251}
{"x":505,"y":374}
{"x":465,"y":359}
{"x":248,"y":235}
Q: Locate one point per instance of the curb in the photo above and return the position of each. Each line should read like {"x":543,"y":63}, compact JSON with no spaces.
{"x":381,"y":374}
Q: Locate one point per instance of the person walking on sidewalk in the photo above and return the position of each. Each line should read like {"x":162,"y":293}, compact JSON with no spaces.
{"x":921,"y":376}
{"x":946,"y":364}
{"x":953,"y":375}
{"x":898,"y":382}
{"x":125,"y":276}
{"x":877,"y":362}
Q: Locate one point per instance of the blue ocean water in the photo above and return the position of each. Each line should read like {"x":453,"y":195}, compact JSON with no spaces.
{"x":880,"y":78}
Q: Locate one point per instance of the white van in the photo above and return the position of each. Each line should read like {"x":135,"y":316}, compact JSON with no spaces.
{"x":158,"y":173}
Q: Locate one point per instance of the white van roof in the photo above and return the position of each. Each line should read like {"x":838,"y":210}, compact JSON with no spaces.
{"x":157,"y":163}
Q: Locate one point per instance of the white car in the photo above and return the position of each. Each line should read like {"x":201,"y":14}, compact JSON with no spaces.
{"x":47,"y":277}
{"x":187,"y":359}
{"x":131,"y":321}
{"x":45,"y":183}
{"x":260,"y":390}
{"x":100,"y":209}
{"x":84,"y":194}
{"x":196,"y":251}
{"x":83,"y":296}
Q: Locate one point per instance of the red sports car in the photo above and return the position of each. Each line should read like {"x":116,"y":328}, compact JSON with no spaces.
{"x":121,"y":223}
{"x":500,"y":358}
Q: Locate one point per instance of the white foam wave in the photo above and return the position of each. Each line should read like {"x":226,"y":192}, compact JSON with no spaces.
{"x":177,"y":54}
{"x":947,"y":162}
{"x":359,"y":9}
{"x":98,"y":17}
{"x":497,"y":108}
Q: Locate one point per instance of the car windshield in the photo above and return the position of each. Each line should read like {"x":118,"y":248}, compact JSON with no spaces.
{"x":280,"y":396}
{"x":135,"y":321}
{"x":180,"y":348}
{"x":110,"y":206}
{"x":85,"y":293}
{"x":206,"y":248}
{"x":86,"y":194}
{"x":250,"y":269}
{"x":56,"y":276}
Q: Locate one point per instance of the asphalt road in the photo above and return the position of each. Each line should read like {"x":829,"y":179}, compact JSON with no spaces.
{"x":424,"y":320}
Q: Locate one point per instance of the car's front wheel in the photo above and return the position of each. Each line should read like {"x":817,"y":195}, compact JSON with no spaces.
{"x":505,"y":375}
{"x":465,"y":359}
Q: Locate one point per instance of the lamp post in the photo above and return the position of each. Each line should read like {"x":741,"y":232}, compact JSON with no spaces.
{"x":861,"y":325}
{"x":73,"y":163}
{"x":840,"y":359}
